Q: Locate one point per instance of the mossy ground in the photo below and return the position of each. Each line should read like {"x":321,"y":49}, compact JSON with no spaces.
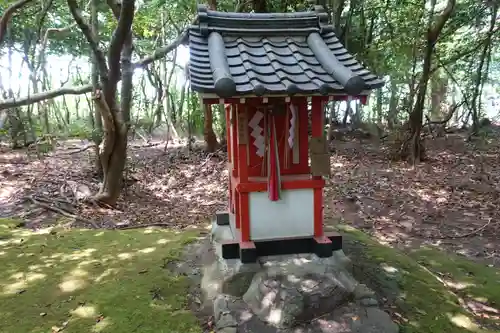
{"x":427,"y":288}
{"x":77,"y":281}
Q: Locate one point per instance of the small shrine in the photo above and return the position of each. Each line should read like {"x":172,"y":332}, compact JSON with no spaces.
{"x":274,"y":73}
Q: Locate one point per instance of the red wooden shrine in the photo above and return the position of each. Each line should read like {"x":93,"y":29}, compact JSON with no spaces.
{"x":274,"y":73}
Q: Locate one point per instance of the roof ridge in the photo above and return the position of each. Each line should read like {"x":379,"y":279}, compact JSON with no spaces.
{"x":304,"y":22}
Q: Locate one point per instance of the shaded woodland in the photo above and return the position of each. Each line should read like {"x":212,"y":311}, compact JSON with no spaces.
{"x":118,"y":117}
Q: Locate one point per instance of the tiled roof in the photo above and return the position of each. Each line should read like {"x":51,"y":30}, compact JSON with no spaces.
{"x":234,"y":54}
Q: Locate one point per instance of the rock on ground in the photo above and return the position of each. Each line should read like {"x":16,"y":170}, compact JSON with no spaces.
{"x":283,"y":294}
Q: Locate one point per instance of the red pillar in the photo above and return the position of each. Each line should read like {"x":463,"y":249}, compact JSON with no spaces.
{"x":317,"y":131}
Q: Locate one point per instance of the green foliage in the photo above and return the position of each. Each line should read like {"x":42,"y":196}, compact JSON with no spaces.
{"x":80,"y":129}
{"x":387,"y":36}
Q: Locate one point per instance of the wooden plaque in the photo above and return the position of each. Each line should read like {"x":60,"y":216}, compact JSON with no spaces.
{"x":317,"y":145}
{"x":320,"y":164}
{"x":242,"y":127}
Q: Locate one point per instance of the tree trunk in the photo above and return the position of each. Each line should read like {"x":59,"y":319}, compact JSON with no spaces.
{"x":480,"y":77}
{"x":181,"y":102}
{"x":97,"y":133}
{"x":167,"y":77}
{"x":412,"y":147}
{"x":380,"y":104}
{"x":8,"y":13}
{"x":260,"y":6}
{"x":346,"y":114}
{"x":392,"y":114}
{"x":439,"y":88}
{"x":211,"y":142}
{"x":116,"y":118}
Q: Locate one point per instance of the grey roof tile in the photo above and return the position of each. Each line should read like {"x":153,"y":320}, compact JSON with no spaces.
{"x":235,"y":54}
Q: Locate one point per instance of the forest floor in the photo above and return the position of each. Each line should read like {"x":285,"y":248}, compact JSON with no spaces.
{"x":449,"y":202}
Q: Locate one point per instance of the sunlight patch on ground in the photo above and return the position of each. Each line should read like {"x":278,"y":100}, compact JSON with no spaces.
{"x":42,"y":231}
{"x":91,"y":261}
{"x":7,"y":192}
{"x":22,"y":232}
{"x":463,"y":321}
{"x":23,"y":281}
{"x":147,"y":250}
{"x":85,"y":311}
{"x":79,"y":254}
{"x":101,"y":325}
{"x":14,"y":288}
{"x":105,"y":274}
{"x":457,"y":285}
{"x":79,"y":273}
{"x":72,"y":284}
{"x":389,"y":269}
{"x":125,"y":255}
{"x":387,"y":239}
{"x":427,"y":195}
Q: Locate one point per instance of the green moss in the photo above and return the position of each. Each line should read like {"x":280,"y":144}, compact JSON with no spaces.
{"x":93,"y":281}
{"x":7,"y":225}
{"x":423,"y":299}
{"x":466,"y":278}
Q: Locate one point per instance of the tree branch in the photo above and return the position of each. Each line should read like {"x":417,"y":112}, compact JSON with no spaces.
{"x":120,"y":35}
{"x":4,"y":20}
{"x":39,"y":97}
{"x":41,"y":55}
{"x":91,"y":39}
{"x":163,"y":51}
{"x":145,"y":61}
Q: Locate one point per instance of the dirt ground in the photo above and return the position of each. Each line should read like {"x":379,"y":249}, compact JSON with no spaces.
{"x":451,"y":200}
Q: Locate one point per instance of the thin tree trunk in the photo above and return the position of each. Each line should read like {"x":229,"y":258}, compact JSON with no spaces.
{"x":392,"y":114}
{"x":413,"y":143}
{"x":480,"y":77}
{"x":98,"y":131}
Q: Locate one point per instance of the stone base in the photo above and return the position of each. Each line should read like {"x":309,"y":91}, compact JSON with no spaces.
{"x":294,"y":289}
{"x":278,"y":293}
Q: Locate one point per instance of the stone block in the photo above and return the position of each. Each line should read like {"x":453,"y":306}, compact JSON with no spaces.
{"x":228,"y":277}
{"x":297,"y":288}
{"x":222,"y":218}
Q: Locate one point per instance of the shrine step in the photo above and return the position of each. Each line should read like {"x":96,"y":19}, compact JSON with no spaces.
{"x":321,"y":246}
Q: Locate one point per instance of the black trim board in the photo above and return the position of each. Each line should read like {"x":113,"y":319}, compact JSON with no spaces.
{"x":222,"y":218}
{"x":231,"y":249}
